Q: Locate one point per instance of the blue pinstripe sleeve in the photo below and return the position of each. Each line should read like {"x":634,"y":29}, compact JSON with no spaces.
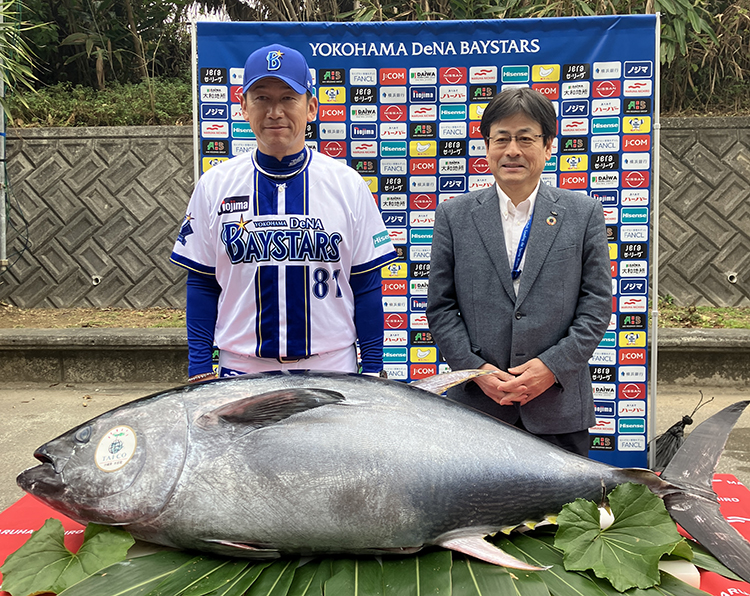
{"x":368,"y":318}
{"x":202,"y":306}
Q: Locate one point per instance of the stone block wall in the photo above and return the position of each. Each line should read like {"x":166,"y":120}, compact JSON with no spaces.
{"x":101,"y":208}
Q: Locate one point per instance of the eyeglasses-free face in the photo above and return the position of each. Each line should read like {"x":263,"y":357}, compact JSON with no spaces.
{"x":516,"y":153}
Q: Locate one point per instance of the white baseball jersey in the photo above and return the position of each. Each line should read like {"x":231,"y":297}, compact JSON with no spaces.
{"x":283,"y":252}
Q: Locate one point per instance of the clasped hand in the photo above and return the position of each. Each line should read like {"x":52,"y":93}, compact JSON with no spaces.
{"x":519,"y":384}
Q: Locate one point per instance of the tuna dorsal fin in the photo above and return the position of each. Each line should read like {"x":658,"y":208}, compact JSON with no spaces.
{"x":267,"y":408}
{"x":439,"y":384}
{"x":476,"y":546}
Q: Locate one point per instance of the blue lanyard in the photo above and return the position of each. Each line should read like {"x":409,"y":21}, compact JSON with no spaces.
{"x":516,"y":273}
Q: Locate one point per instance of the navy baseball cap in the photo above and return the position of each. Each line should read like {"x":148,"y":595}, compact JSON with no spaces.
{"x":281,"y":62}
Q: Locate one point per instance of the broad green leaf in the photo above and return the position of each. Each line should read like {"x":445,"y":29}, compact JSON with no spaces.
{"x":303,"y":583}
{"x":199,"y":576}
{"x":671,"y":586}
{"x":44,"y":564}
{"x":705,"y":560}
{"x":131,"y":577}
{"x":477,"y":578}
{"x":275,"y":579}
{"x":355,"y":577}
{"x":628,"y":552}
{"x":424,"y":575}
{"x":240,"y":584}
{"x":559,"y":581}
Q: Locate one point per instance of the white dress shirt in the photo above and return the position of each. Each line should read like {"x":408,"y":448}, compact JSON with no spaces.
{"x":514,"y":219}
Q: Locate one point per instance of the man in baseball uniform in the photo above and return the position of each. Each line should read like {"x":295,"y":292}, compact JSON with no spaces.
{"x":283,"y":245}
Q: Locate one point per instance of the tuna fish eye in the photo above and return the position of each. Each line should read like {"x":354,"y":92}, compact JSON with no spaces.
{"x":83,"y":434}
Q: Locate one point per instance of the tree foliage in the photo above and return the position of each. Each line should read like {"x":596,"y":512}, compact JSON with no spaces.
{"x":705,"y":44}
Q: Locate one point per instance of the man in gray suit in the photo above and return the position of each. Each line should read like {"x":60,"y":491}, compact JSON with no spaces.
{"x":520,"y":281}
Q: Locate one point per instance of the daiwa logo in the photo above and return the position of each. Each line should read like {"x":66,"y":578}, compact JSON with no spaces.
{"x":423,"y":76}
{"x":604,"y":390}
{"x":576,"y":90}
{"x":453,"y":165}
{"x":393,"y":201}
{"x":363,"y":113}
{"x":418,"y":287}
{"x":364,"y":131}
{"x":633,"y":268}
{"x":605,"y":179}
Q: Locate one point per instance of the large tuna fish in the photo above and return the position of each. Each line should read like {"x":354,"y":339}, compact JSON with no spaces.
{"x":312,"y":463}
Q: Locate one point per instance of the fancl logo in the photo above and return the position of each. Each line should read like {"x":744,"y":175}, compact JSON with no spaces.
{"x":421,"y":236}
{"x":632,"y":426}
{"x":634,"y":215}
{"x":603,"y":126}
{"x":393,"y":148}
{"x":633,"y":233}
{"x":631,"y":443}
{"x":452,"y":130}
{"x":515,"y":74}
{"x":605,"y":144}
{"x":420,"y":254}
{"x":603,"y":357}
{"x":451,"y":112}
{"x":393,"y":166}
{"x":363,"y":76}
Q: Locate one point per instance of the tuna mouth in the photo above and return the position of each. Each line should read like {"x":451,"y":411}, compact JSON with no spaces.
{"x":41,"y":481}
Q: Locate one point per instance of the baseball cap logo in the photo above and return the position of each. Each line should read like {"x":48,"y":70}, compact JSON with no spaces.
{"x":274,"y":59}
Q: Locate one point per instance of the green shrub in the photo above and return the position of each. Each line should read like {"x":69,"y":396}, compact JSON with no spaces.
{"x":158,"y":101}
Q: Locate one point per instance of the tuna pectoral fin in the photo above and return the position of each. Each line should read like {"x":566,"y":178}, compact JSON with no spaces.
{"x":245,"y":549}
{"x":478,"y":547}
{"x":439,"y":384}
{"x":704,"y":522}
{"x":271,"y":407}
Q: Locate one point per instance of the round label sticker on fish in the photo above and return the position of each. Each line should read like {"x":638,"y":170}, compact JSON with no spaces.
{"x":116,"y":448}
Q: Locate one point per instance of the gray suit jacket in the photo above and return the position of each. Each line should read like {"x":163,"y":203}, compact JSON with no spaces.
{"x":562,"y":310}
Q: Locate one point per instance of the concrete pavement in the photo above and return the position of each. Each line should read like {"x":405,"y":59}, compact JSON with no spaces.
{"x":34,"y":413}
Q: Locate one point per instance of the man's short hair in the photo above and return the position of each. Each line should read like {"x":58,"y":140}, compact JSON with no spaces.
{"x":523,"y":100}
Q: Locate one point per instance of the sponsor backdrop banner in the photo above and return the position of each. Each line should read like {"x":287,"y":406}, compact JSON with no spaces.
{"x":401,"y":104}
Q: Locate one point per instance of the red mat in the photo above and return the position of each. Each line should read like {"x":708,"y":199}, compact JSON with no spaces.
{"x":27,"y":514}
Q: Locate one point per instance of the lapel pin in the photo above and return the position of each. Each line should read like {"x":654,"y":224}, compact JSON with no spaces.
{"x":551,"y":220}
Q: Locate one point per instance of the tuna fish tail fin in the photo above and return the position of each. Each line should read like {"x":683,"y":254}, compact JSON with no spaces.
{"x":694,"y":505}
